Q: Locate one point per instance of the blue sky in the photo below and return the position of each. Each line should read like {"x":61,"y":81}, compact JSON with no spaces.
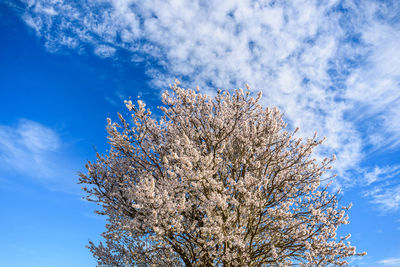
{"x":65,"y":66}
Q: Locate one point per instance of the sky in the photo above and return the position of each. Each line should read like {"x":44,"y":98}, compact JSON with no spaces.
{"x":65,"y":66}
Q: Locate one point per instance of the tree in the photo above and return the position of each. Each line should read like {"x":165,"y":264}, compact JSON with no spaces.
{"x":214,"y":182}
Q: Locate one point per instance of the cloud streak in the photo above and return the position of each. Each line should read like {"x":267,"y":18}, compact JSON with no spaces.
{"x":390,"y":262}
{"x":33,"y":149}
{"x":25,"y":148}
{"x":331,"y":66}
{"x":383,"y":187}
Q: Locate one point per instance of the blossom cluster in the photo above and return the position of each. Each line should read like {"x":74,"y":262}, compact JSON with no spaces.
{"x":214,"y":182}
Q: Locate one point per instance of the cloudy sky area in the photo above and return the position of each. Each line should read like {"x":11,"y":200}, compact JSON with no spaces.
{"x":331,"y":66}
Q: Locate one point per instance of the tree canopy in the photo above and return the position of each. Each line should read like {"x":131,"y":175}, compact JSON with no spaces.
{"x":215,"y":181}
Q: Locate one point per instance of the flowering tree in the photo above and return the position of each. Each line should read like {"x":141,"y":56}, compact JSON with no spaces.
{"x":215,"y":182}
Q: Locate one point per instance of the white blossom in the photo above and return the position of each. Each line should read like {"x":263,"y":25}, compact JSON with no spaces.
{"x":214,"y":182}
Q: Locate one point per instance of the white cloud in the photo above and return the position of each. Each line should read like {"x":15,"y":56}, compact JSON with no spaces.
{"x":33,"y":150}
{"x":386,"y":197}
{"x":37,"y":137}
{"x":379,"y":174}
{"x":384,"y":187}
{"x":104,"y":51}
{"x":332,"y":66}
{"x":390,"y":262}
{"x":25,"y":147}
{"x":375,"y":86}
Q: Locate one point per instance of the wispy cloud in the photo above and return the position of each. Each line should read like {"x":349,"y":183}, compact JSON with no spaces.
{"x":381,"y":174}
{"x":32,"y":149}
{"x":332,"y":66}
{"x":390,"y":262}
{"x":26,"y":147}
{"x":374,"y":86}
{"x":383,"y":187}
{"x":104,"y":51}
{"x":387,"y":197}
